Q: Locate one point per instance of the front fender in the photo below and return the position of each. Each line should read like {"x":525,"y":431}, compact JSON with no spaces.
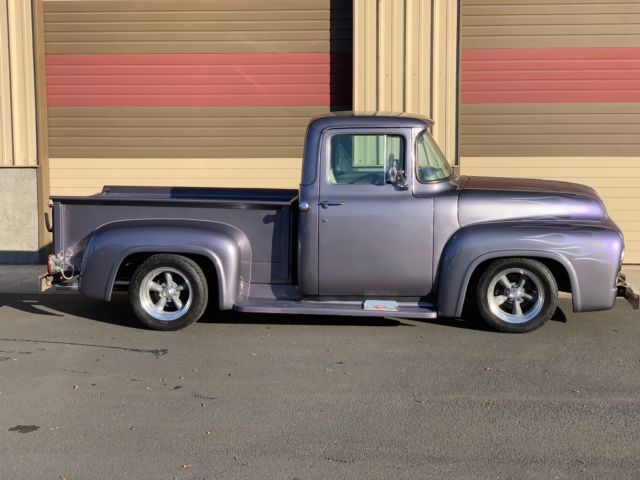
{"x":589,"y":252}
{"x":225,"y":246}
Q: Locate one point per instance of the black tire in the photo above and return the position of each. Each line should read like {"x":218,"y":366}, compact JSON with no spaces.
{"x":144,"y":297}
{"x":534,"y":309}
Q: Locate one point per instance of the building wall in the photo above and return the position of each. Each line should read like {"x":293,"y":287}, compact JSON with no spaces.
{"x":18,"y":155}
{"x":197,"y":92}
{"x":549,"y":90}
{"x":405,"y":58}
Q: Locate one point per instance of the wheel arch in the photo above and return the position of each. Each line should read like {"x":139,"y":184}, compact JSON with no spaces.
{"x":559,"y":270}
{"x":225,"y":248}
{"x":129,"y":264}
{"x":562,"y":248}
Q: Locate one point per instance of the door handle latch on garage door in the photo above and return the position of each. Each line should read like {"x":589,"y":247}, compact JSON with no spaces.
{"x":330,"y":203}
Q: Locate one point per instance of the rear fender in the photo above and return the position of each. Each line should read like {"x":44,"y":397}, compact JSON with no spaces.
{"x":225,"y":246}
{"x":590,"y":253}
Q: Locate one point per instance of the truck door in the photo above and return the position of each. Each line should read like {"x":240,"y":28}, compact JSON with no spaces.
{"x":375,"y":238}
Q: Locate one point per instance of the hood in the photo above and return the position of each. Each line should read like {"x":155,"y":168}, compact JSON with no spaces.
{"x":489,"y":199}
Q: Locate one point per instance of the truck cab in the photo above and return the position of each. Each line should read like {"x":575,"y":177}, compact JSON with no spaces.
{"x":367,"y":199}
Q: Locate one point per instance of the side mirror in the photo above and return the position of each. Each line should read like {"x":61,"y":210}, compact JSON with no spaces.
{"x":398,"y":178}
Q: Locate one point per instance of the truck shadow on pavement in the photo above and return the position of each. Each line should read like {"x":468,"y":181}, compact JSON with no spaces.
{"x":117,"y":312}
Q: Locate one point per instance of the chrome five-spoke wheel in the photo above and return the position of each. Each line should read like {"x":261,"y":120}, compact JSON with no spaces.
{"x":165,"y":294}
{"x":168,"y":292}
{"x":515,"y":295}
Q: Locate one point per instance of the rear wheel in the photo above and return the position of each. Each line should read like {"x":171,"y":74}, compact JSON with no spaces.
{"x":517,"y":295}
{"x":168,"y":292}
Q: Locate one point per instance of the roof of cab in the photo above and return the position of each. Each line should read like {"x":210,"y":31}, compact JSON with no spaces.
{"x":370,"y":119}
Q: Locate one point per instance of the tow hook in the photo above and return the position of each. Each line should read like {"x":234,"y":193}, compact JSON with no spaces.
{"x":626,"y":291}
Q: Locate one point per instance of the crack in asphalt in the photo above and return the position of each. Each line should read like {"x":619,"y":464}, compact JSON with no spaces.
{"x":158,"y":352}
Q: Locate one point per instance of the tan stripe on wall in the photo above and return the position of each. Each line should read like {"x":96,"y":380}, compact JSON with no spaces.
{"x":611,"y":129}
{"x":616,"y":179}
{"x":549,"y":23}
{"x":226,"y":132}
{"x":195,"y":26}
{"x":85,"y":176}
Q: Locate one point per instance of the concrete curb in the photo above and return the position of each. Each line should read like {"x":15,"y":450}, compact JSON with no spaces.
{"x":25,"y":279}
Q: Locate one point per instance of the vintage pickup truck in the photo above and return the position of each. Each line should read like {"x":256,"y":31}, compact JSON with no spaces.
{"x":380,"y":226}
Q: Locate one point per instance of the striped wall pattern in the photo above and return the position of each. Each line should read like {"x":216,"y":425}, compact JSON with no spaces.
{"x":551,"y":89}
{"x":196,"y":26}
{"x":17,"y":86}
{"x":178,"y":132}
{"x":181,"y":82}
{"x":194,"y":80}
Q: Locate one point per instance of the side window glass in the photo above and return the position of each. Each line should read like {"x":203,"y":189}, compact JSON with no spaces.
{"x":364,"y":159}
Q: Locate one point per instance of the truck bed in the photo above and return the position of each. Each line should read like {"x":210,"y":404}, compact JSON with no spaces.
{"x":226,"y":196}
{"x":264,"y":215}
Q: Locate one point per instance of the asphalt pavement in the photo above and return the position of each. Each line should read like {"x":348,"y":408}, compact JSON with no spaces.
{"x":85,"y":393}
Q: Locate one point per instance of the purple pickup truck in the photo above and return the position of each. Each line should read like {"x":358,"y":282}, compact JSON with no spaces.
{"x":380,"y":226}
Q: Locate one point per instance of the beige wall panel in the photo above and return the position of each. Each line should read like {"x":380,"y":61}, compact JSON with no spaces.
{"x":416,"y":66}
{"x":17,"y":86}
{"x":444,"y":93}
{"x":44,"y":236}
{"x":385,"y":47}
{"x":91,"y":164}
{"x":549,"y":23}
{"x":365,"y":75}
{"x":610,"y":129}
{"x":391,"y":61}
{"x":6,"y":135}
{"x":417,"y":92}
{"x":22,"y":83}
{"x":227,"y":132}
{"x":558,"y":162}
{"x":244,"y":26}
{"x":85,"y":176}
{"x":616,"y":179}
{"x":632,"y":257}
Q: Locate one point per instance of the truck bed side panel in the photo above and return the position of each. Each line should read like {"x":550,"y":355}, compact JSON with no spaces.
{"x":268,"y":227}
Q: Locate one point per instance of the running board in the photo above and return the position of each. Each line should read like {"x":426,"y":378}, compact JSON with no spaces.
{"x":368,"y":308}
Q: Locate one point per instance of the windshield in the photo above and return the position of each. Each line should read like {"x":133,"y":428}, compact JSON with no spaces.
{"x":430,"y":161}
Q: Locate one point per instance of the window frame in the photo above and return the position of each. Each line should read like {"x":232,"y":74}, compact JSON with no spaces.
{"x":394,"y":132}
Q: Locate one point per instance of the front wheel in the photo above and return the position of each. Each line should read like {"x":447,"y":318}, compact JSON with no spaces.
{"x":517,"y":295}
{"x":168,"y":292}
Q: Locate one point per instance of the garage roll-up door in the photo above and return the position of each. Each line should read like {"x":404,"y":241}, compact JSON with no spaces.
{"x":551,"y":89}
{"x":189,"y":92}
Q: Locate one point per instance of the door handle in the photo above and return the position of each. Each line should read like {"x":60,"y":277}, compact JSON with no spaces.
{"x":330,"y":203}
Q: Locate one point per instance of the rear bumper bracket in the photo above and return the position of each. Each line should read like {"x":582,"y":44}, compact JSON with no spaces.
{"x":627,"y":292}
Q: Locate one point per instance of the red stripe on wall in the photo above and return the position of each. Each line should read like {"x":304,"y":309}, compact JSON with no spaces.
{"x":553,"y":75}
{"x":128,"y":80}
